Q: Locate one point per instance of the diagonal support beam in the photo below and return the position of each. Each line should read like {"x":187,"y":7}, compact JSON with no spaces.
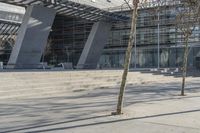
{"x":32,"y":37}
{"x":94,"y":46}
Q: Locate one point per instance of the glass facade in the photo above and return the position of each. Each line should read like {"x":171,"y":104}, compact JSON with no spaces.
{"x":155,"y":27}
{"x":66,"y":41}
{"x":7,"y":30}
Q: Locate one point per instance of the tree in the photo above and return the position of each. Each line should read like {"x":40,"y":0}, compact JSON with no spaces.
{"x":1,"y":42}
{"x":135,"y":4}
{"x":187,"y":19}
{"x":6,"y":45}
{"x":47,"y":50}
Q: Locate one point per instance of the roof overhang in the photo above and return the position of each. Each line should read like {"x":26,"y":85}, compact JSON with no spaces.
{"x":72,"y":8}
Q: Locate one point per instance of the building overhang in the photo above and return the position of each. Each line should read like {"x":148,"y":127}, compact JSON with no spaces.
{"x":73,"y":9}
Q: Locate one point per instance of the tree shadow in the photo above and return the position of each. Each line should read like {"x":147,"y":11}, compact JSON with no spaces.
{"x":80,"y":106}
{"x":56,"y":123}
{"x":101,"y":122}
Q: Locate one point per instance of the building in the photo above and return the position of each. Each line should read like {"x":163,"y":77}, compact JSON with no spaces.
{"x":10,"y":20}
{"x":158,"y":41}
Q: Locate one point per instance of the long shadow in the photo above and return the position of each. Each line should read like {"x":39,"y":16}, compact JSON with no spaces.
{"x":52,"y":124}
{"x":135,"y":95}
{"x":159,"y":99}
{"x":157,"y":95}
{"x":102,"y":104}
{"x":84,"y":105}
{"x":112,"y":121}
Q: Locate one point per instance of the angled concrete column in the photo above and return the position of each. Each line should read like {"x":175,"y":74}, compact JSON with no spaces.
{"x":32,"y":37}
{"x":94,"y":46}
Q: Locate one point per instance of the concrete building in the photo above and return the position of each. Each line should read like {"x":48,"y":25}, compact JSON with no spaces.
{"x":94,"y":33}
{"x":10,"y":20}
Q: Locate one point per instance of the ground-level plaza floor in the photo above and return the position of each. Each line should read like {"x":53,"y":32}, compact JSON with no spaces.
{"x":82,"y":101}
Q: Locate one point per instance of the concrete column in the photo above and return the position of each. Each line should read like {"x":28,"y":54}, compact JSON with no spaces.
{"x":94,"y":46}
{"x":32,"y":37}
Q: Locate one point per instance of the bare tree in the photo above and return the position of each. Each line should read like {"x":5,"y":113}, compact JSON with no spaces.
{"x":186,"y":19}
{"x":47,"y":49}
{"x":7,"y":43}
{"x":1,"y":42}
{"x":135,"y":4}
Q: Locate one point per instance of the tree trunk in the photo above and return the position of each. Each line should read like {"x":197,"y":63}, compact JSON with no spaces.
{"x":128,"y":57}
{"x":185,"y":62}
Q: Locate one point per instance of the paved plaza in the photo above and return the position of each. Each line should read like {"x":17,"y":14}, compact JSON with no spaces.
{"x":82,"y":101}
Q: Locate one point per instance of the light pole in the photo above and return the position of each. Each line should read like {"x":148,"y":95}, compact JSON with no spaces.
{"x":158,"y":37}
{"x":135,"y":48}
{"x":67,"y":52}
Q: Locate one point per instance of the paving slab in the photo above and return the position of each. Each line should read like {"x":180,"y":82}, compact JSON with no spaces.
{"x":82,"y":101}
